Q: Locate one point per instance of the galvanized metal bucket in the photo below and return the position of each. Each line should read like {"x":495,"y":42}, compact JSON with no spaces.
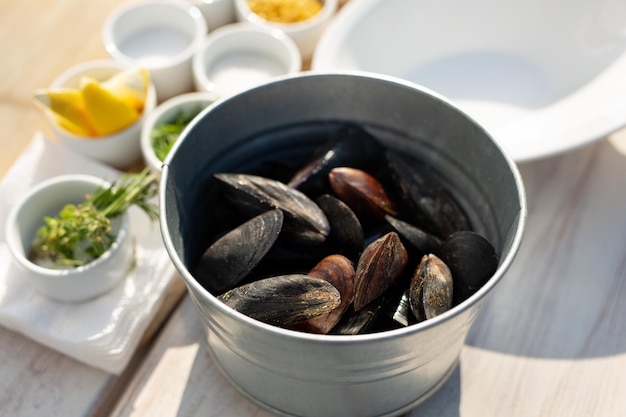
{"x":298,"y":374}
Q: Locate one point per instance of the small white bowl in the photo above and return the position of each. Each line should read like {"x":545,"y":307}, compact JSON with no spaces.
{"x":167,"y":112}
{"x":216,"y":13}
{"x":305,"y":33}
{"x":75,"y":284}
{"x":161,"y":35}
{"x":121,"y":149}
{"x":239,"y":56}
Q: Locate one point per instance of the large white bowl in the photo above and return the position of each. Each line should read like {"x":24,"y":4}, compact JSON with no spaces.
{"x":544,"y":77}
{"x":76,"y":284}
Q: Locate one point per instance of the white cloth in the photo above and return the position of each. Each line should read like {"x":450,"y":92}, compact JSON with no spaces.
{"x":103,"y":332}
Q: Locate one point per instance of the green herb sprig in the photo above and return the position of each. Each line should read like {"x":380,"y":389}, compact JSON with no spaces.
{"x":81,"y":233}
{"x":163,"y":136}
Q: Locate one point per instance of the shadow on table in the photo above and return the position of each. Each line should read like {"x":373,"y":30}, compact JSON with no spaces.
{"x":443,"y":403}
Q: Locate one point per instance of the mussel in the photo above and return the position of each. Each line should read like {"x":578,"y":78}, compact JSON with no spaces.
{"x":430,"y":206}
{"x":472,"y":260}
{"x":346,"y":232}
{"x":233,"y":256}
{"x":304,"y":221}
{"x":381,"y":263}
{"x":284,"y":299}
{"x":361,"y":191}
{"x":339,"y":271}
{"x":430,"y":293}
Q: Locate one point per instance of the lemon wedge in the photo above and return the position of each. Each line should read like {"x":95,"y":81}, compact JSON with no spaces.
{"x":107,"y":112}
{"x":68,"y":108}
{"x":130,"y":86}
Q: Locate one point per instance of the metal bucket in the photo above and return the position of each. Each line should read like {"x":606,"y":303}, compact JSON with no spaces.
{"x":298,"y":374}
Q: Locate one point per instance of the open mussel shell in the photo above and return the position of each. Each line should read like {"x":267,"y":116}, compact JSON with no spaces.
{"x":472,"y":260}
{"x":304,"y":221}
{"x":380,"y":265}
{"x":430,"y":293}
{"x":425,"y":200}
{"x":284,"y":299}
{"x":350,"y":146}
{"x":339,"y":271}
{"x":361,"y":191}
{"x":231,"y":257}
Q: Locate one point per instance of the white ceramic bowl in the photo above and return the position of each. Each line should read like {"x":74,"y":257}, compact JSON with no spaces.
{"x":167,"y":112}
{"x":239,"y":56}
{"x":161,"y":35}
{"x":216,"y":13}
{"x":305,"y":33}
{"x":121,"y":149}
{"x":544,"y":77}
{"x":76,"y":284}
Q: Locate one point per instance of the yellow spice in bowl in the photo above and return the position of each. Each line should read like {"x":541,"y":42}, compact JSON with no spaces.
{"x":285,"y":11}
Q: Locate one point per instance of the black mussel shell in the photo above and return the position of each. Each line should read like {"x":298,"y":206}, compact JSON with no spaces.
{"x":346,"y":232}
{"x":231,"y":257}
{"x":283,"y":300}
{"x":472,"y":260}
{"x":304,"y":221}
{"x":359,"y":322}
{"x":416,"y":240}
{"x":380,"y":265}
{"x":350,"y":146}
{"x":427,"y":202}
{"x":431,"y":288}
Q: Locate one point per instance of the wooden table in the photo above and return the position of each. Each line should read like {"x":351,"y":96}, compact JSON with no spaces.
{"x":550,"y":341}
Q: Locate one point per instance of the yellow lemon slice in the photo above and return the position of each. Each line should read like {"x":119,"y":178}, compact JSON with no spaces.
{"x":69,"y":109}
{"x":107,"y":112}
{"x":130,"y":85}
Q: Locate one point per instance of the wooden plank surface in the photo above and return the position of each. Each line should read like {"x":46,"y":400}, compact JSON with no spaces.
{"x":39,"y":39}
{"x":549,"y":341}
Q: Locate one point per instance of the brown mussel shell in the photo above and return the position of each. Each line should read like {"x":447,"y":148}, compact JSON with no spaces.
{"x":231,"y":257}
{"x":430,"y":293}
{"x":380,"y":264}
{"x":284,"y":299}
{"x":361,"y":191}
{"x":339,"y":271}
{"x":304,"y":221}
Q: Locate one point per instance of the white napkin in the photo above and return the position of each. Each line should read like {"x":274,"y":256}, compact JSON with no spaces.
{"x":103,"y":332}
